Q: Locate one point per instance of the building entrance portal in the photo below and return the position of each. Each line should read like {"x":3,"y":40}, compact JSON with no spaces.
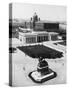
{"x":42,"y":38}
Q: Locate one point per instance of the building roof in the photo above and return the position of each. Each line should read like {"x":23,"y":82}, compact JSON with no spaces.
{"x":53,"y":33}
{"x":42,"y":21}
{"x":33,"y":33}
{"x":25,"y":29}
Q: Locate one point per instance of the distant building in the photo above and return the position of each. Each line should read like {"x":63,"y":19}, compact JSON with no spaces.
{"x":46,"y":26}
{"x":39,"y":25}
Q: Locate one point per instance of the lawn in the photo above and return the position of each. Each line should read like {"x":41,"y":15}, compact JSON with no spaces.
{"x":37,"y":51}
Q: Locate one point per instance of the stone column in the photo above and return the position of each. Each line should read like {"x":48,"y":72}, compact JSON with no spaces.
{"x":49,"y":37}
{"x":36,"y":38}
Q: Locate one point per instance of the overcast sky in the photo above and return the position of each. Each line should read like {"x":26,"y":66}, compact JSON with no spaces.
{"x":45,"y":12}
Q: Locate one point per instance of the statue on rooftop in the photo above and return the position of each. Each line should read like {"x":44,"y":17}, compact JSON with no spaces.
{"x":35,"y":19}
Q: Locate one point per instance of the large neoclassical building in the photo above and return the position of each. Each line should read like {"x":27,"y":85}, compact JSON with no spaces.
{"x":38,"y":31}
{"x":37,"y":37}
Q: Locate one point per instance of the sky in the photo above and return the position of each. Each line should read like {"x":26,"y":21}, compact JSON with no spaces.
{"x":45,"y":12}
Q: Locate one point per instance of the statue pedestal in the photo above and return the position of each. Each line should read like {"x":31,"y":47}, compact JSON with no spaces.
{"x":43,"y":73}
{"x":39,"y":78}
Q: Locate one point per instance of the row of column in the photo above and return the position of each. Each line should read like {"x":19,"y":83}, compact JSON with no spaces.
{"x":37,"y":39}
